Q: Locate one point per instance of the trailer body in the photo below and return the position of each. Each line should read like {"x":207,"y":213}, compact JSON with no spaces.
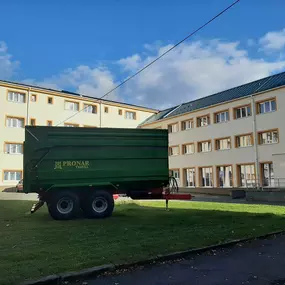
{"x":83,"y":161}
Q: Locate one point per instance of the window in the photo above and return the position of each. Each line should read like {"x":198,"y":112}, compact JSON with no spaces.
{"x":203,"y":121}
{"x":206,"y":176}
{"x":173,"y":128}
{"x":130,"y":115}
{"x":266,"y":106}
{"x":50,"y":100}
{"x":120,"y":112}
{"x":268,"y":137}
{"x":16,"y":97}
{"x":267,"y":173}
{"x":244,"y":140}
{"x":222,"y":116}
{"x":225,"y":176}
{"x":33,"y":122}
{"x":242,"y":112}
{"x":246,"y":175}
{"x":205,"y":146}
{"x":189,"y":176}
{"x":69,"y":125}
{"x":12,"y":122}
{"x":106,"y":110}
{"x":14,"y":148}
{"x":224,"y":143}
{"x":12,"y":175}
{"x":90,"y":109}
{"x":49,"y":123}
{"x":173,"y":150}
{"x":187,"y":125}
{"x":188,"y":148}
{"x":71,"y":106}
{"x":176,"y":174}
{"x":33,"y":98}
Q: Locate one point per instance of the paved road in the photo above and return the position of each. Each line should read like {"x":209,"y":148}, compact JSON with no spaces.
{"x":18,"y":196}
{"x":260,"y":262}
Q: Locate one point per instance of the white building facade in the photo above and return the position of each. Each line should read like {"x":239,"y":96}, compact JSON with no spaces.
{"x":22,"y":105}
{"x":235,"y":138}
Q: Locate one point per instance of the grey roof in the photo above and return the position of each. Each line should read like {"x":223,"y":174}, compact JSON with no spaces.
{"x":241,"y":91}
{"x":75,"y":94}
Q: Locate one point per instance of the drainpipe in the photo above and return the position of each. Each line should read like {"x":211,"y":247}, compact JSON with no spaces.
{"x":253,"y":108}
{"x":100,"y":117}
{"x":28,"y":105}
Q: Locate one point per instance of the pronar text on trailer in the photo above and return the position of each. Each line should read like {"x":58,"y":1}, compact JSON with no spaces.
{"x":80,"y":169}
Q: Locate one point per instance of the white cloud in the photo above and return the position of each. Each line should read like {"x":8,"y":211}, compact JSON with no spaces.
{"x":273,"y":41}
{"x":8,"y":66}
{"x":193,"y":70}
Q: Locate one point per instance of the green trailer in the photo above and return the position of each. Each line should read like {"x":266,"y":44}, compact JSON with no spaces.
{"x":80,"y":169}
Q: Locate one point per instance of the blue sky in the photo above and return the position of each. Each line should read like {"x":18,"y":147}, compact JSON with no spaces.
{"x":89,"y":46}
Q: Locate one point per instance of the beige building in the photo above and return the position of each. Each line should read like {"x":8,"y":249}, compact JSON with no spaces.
{"x":235,"y":138}
{"x":22,"y":105}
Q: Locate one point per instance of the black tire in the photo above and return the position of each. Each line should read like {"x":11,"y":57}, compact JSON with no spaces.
{"x":63,"y":205}
{"x":99,"y":204}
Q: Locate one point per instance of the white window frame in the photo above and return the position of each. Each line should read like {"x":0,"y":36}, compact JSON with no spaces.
{"x":91,"y":109}
{"x":226,"y":141}
{"x":203,"y":121}
{"x":16,"y":97}
{"x":222,"y":117}
{"x":262,"y":106}
{"x":209,"y":171}
{"x":70,"y":106}
{"x":130,"y":115}
{"x":243,"y":138}
{"x":173,"y":128}
{"x":12,"y":174}
{"x":247,"y":110}
{"x":188,"y":148}
{"x":14,"y":122}
{"x":187,"y":125}
{"x":205,"y":146}
{"x":13,"y":148}
{"x":171,"y":153}
{"x":190,"y":177}
{"x":268,"y":139}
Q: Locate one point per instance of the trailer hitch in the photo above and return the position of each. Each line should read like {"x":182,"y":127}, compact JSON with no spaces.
{"x":36,"y":206}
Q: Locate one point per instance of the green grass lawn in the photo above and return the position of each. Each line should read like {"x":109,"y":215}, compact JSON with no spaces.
{"x":32,"y":246}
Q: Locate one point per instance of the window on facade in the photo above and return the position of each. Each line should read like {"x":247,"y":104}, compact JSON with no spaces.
{"x":188,"y":148}
{"x":269,"y":137}
{"x":187,"y":125}
{"x":222,"y":144}
{"x":222,"y":117}
{"x":120,"y":112}
{"x":246,"y":174}
{"x":203,"y":121}
{"x":33,"y":98}
{"x":14,"y":148}
{"x":225,"y":176}
{"x":16,"y":97}
{"x":71,"y":125}
{"x":266,"y":106}
{"x":130,"y":115}
{"x":173,"y":150}
{"x":71,"y":106}
{"x":49,"y":123}
{"x":10,"y":175}
{"x":242,"y":112}
{"x":267,"y":174}
{"x":106,"y":110}
{"x":15,"y":122}
{"x":205,"y":146}
{"x":189,"y":176}
{"x":244,"y":140}
{"x":173,"y":128}
{"x":90,"y":109}
{"x":176,"y":174}
{"x":50,"y":100}
{"x":206,"y":176}
{"x":33,"y":122}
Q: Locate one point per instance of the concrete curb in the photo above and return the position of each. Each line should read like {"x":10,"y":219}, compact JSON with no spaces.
{"x":95,"y":271}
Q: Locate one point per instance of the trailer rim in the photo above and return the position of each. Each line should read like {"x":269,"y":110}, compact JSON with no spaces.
{"x":65,"y":205}
{"x":100,"y":205}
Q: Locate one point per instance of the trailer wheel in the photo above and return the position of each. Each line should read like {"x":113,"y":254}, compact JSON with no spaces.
{"x":63,"y":205}
{"x":100,"y":204}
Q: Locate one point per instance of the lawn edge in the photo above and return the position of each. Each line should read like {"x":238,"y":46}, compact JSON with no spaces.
{"x":96,"y":270}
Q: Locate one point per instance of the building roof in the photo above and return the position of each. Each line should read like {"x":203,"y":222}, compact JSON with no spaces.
{"x":241,"y":91}
{"x":74,"y":94}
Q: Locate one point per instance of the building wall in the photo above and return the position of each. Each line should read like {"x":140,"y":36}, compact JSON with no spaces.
{"x":41,"y":111}
{"x":233,"y":127}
